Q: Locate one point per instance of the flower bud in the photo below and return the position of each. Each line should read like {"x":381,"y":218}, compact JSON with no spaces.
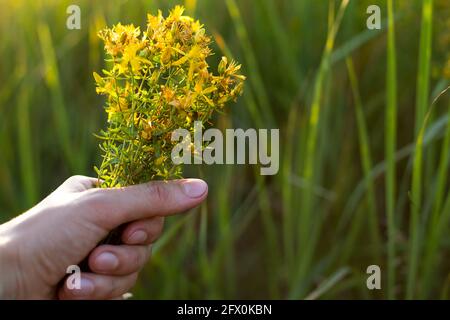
{"x":222,"y":65}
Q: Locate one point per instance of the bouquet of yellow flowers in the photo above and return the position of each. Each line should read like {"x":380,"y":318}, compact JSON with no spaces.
{"x":158,"y":81}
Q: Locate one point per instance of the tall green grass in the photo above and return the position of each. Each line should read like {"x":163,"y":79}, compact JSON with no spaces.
{"x":390,"y":146}
{"x":422,"y":102}
{"x":307,"y":227}
{"x":365,"y":144}
{"x":366,"y":160}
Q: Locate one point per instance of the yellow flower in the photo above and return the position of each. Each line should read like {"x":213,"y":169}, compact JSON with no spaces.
{"x":176,"y":13}
{"x":159,"y":81}
{"x":129,"y":57}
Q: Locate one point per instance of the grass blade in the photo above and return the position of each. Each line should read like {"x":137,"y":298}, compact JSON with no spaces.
{"x":26,"y":149}
{"x":432,"y":242}
{"x":390,"y":145}
{"x":421,"y":107}
{"x":366,"y":159}
{"x":61,"y":118}
{"x":328,"y":284}
{"x":251,"y":62}
{"x":305,"y":247}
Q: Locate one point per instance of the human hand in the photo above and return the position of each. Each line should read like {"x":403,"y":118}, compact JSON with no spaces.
{"x":37,"y":247}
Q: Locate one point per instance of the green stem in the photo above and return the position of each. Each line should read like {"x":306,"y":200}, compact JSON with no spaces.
{"x":390,"y":145}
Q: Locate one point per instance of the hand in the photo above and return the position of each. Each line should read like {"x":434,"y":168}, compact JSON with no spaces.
{"x":37,"y":247}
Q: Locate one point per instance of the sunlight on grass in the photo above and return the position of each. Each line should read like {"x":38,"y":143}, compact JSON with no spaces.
{"x":364,"y":123}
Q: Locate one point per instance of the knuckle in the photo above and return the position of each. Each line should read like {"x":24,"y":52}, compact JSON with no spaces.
{"x":93,"y":197}
{"x":74,"y":179}
{"x":93,"y":201}
{"x":158,"y":191}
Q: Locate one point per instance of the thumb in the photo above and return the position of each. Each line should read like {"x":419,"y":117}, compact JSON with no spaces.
{"x":111,"y":207}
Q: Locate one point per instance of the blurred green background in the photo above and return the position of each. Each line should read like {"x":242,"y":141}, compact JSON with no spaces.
{"x":365,"y":156}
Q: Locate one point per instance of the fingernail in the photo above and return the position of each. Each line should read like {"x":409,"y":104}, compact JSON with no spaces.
{"x":106,"y":261}
{"x":86,"y":288}
{"x":139,"y":236}
{"x":194,"y":188}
